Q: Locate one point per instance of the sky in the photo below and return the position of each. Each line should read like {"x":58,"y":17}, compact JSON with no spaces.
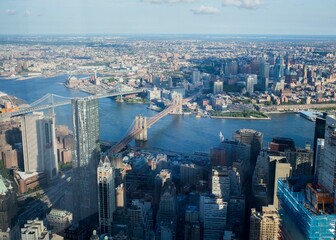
{"x":113,"y":17}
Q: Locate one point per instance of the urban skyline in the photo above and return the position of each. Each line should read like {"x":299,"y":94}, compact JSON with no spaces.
{"x":167,"y":120}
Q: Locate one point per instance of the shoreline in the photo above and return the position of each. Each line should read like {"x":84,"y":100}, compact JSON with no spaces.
{"x":24,"y":78}
{"x":239,"y":118}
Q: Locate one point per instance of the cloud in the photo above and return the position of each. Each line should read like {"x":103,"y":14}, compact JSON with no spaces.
{"x":205,"y":10}
{"x":170,"y":1}
{"x":10,"y":11}
{"x":249,"y":4}
{"x":27,"y":13}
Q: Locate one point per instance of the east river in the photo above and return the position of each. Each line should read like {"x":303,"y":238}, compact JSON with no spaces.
{"x":176,"y":133}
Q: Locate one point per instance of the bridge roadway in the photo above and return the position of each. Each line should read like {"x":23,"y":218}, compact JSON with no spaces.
{"x":62,"y":103}
{"x":126,"y":140}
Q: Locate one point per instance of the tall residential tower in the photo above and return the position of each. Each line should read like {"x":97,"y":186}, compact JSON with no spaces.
{"x":86,"y":155}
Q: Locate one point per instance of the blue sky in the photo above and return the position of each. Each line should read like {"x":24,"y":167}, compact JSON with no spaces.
{"x":312,"y":17}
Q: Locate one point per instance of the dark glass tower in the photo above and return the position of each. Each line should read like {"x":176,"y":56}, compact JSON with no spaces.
{"x":319,"y":132}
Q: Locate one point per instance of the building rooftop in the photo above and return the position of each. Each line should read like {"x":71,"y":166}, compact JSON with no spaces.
{"x":59,"y":213}
{"x":249,"y":131}
{"x":25,"y":176}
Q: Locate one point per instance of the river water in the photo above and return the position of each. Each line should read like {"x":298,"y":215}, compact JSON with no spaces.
{"x":175,"y":133}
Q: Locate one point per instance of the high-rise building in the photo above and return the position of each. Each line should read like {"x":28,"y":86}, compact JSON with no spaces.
{"x":250,"y":84}
{"x":278,"y":168}
{"x":319,"y":132}
{"x":232,"y":154}
{"x":8,"y":207}
{"x":264,"y":83}
{"x":190,"y":174}
{"x":279,"y":68}
{"x":192,"y":231}
{"x":196,"y":76}
{"x":106,"y":195}
{"x":268,"y":169}
{"x":301,"y":160}
{"x":220,"y":182}
{"x":213,"y":217}
{"x":236,"y":213}
{"x":86,"y":155}
{"x":326,"y":173}
{"x":39,"y":144}
{"x":218,"y":87}
{"x":265,"y":224}
{"x":168,"y":206}
{"x":252,"y":138}
{"x":167,"y":213}
{"x":139,"y":216}
{"x":264,"y":70}
{"x":264,"y":74}
{"x":309,"y":206}
{"x":318,"y":155}
{"x":120,"y":196}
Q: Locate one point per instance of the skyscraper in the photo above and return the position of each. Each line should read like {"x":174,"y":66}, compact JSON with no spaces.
{"x":250,"y":84}
{"x":106,"y":195}
{"x":326,"y":172}
{"x":39,"y":144}
{"x":264,"y":72}
{"x":318,"y":134}
{"x":8,"y":208}
{"x":221,"y":182}
{"x":232,"y":154}
{"x":213,"y":216}
{"x":252,"y":138}
{"x":196,"y":76}
{"x":218,"y":87}
{"x":167,"y":214}
{"x":268,"y":169}
{"x":85,"y":157}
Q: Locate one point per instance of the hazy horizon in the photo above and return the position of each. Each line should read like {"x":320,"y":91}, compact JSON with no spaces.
{"x":169,"y":17}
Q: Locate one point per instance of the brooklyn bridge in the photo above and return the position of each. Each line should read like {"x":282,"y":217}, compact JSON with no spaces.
{"x":138,"y":128}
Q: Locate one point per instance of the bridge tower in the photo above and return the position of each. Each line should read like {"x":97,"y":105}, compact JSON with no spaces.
{"x":119,"y":90}
{"x":177,"y":100}
{"x":141,"y":123}
{"x":52,"y":101}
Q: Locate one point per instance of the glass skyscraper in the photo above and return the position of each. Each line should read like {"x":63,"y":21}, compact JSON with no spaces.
{"x":86,"y":155}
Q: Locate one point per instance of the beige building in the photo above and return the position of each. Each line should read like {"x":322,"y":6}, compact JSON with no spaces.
{"x":265,"y":224}
{"x":59,"y":220}
{"x":34,"y":230}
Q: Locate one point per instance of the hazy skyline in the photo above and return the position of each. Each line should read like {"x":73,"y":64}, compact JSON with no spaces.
{"x":308,"y":17}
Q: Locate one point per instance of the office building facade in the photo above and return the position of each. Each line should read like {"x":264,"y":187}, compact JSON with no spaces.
{"x":39,"y":144}
{"x":106,"y":195}
{"x":326,"y":167}
{"x":265,"y":224}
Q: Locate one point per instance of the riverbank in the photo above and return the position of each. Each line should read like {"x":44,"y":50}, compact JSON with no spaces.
{"x":241,"y":118}
{"x":30,"y":77}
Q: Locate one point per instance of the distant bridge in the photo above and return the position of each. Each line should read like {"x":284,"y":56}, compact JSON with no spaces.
{"x":49,"y":101}
{"x":141,"y":124}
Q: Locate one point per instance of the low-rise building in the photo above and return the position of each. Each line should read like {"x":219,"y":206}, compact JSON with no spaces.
{"x":59,"y":220}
